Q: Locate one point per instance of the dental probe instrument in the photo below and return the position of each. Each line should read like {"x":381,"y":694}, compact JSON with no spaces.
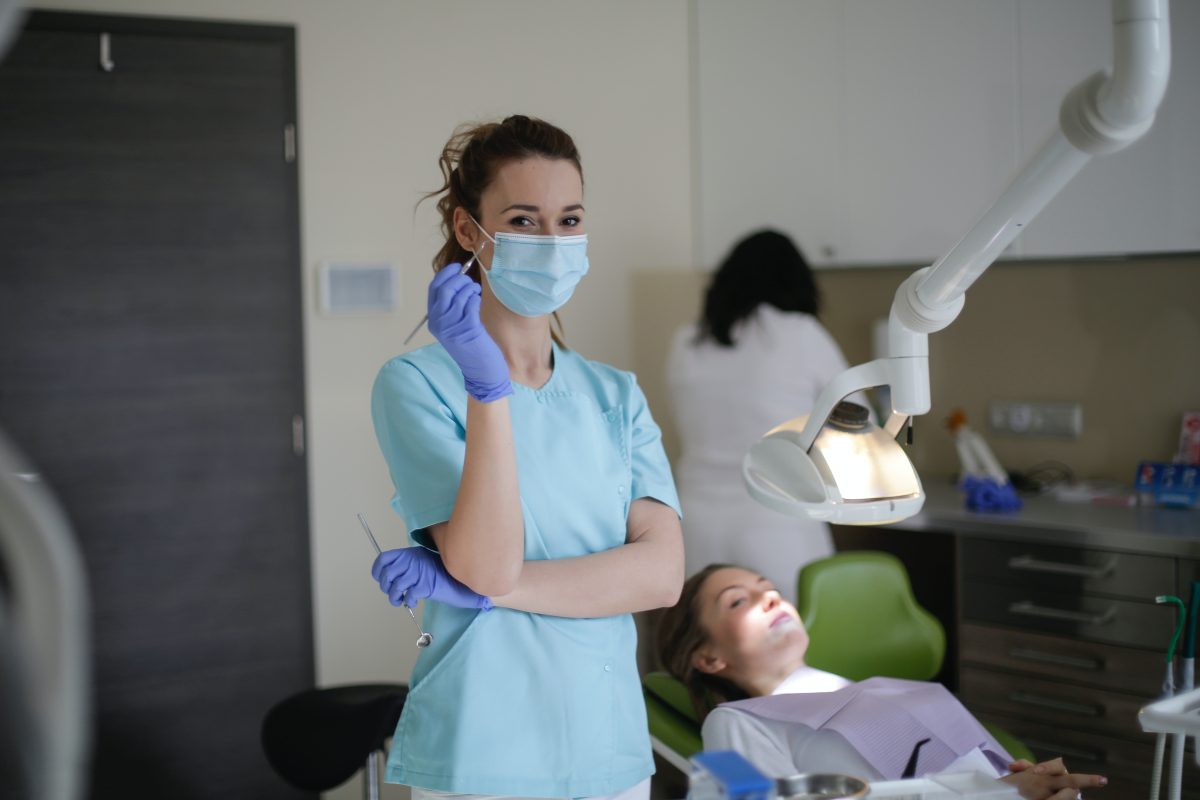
{"x":1168,"y":690}
{"x":425,"y":318}
{"x":1175,"y":776}
{"x":425,"y":639}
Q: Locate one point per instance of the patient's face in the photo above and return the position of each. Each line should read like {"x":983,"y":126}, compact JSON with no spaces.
{"x":755,"y":635}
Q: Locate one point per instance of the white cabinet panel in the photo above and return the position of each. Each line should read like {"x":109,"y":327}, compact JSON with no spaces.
{"x":878,"y":131}
{"x":931,"y":136}
{"x":1143,"y":199}
{"x":872,"y":131}
{"x":767,"y":98}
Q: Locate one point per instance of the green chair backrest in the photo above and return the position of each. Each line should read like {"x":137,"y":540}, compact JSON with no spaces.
{"x":863,"y":620}
{"x":670,"y":714}
{"x":671,"y":691}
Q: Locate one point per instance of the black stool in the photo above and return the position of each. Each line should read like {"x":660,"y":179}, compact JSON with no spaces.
{"x":318,"y":739}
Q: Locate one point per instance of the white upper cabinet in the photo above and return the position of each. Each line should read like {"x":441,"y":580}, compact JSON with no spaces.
{"x":929,"y":124}
{"x":1144,"y":199}
{"x":767,"y":91}
{"x":878,"y":131}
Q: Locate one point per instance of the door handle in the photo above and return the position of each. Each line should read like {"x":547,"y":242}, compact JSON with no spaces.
{"x":1076,"y":753}
{"x":1054,"y":704}
{"x":298,"y":435}
{"x":106,"y":62}
{"x":1030,"y":564}
{"x":1027,"y":654}
{"x":1029,"y":609}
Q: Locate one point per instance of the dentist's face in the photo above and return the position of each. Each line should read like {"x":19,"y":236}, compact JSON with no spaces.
{"x":754,"y":634}
{"x":535,"y":195}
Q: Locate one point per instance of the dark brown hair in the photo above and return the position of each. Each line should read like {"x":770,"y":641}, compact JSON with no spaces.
{"x":764,"y":267}
{"x":469,"y":163}
{"x":679,"y":635}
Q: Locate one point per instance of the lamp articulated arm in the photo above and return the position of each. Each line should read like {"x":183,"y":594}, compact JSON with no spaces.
{"x":806,"y":467}
{"x":1103,"y":114}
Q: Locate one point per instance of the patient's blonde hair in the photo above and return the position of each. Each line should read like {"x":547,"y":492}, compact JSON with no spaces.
{"x":679,"y":635}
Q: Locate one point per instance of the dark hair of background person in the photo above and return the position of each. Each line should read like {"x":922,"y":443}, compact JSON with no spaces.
{"x":677,"y":638}
{"x":764,"y":267}
{"x":469,"y":163}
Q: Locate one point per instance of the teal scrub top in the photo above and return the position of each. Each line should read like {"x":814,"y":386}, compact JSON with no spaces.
{"x":507,"y":702}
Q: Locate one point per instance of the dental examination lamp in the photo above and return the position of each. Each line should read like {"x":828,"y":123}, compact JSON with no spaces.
{"x":834,"y":464}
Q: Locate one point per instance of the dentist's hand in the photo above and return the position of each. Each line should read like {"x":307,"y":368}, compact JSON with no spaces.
{"x":454,"y":321}
{"x":410,"y":574}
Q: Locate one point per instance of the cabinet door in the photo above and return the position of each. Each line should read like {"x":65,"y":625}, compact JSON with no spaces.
{"x":930,"y":124}
{"x":767,"y":92}
{"x":1052,"y":702}
{"x":1143,"y":199}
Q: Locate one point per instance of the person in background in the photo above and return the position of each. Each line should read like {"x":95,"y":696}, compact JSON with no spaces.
{"x":733,"y":637}
{"x":757,"y":357}
{"x":533,"y":484}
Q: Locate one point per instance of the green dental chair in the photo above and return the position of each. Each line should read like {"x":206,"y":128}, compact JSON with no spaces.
{"x":862,"y":621}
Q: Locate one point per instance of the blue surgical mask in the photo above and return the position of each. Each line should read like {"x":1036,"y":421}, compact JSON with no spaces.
{"x":535,"y":275}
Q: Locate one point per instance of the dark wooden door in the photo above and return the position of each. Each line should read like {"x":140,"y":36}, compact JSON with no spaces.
{"x":151,"y":365}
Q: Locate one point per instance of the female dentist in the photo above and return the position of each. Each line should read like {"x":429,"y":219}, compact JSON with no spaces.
{"x":534,"y":484}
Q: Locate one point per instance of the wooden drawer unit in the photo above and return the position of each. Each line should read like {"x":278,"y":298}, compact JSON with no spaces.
{"x":1068,"y":569}
{"x":1052,"y":702}
{"x":1079,"y":616}
{"x":1062,"y":646}
{"x":1122,"y":669}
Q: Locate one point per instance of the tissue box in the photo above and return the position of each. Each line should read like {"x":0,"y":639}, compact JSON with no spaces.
{"x":1160,"y":483}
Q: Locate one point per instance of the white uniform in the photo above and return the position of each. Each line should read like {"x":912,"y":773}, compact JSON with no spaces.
{"x":724,"y":399}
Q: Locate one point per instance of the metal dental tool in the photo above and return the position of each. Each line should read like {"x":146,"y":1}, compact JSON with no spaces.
{"x":425,"y":319}
{"x":425,"y":639}
{"x":1168,"y":690}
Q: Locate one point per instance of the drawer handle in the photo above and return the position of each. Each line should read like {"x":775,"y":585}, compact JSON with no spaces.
{"x":1052,"y":704}
{"x":1024,"y":654}
{"x":1030,"y":610}
{"x":1031,"y":564}
{"x":1062,"y":750}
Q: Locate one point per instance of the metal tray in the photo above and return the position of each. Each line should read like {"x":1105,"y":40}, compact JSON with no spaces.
{"x":820,"y":786}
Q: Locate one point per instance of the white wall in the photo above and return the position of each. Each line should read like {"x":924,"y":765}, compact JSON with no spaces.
{"x":382,"y":83}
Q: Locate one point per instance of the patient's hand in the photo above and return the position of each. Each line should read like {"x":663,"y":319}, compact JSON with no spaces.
{"x":1049,"y":780}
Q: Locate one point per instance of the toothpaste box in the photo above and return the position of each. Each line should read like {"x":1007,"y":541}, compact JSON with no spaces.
{"x":1164,"y":484}
{"x":1189,"y":439}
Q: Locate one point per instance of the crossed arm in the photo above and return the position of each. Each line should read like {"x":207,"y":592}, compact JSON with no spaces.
{"x":482,"y":544}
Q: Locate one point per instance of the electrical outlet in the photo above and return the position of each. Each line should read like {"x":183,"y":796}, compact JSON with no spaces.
{"x":1037,"y":419}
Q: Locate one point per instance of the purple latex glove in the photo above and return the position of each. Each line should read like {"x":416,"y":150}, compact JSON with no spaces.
{"x":454,"y":321}
{"x":410,"y":574}
{"x":985,"y":494}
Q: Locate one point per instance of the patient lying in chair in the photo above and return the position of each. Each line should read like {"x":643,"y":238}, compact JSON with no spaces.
{"x":739,"y":648}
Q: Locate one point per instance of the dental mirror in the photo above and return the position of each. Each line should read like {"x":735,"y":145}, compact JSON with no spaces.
{"x":425,"y":639}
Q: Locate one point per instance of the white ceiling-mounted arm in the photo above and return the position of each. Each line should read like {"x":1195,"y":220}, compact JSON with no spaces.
{"x":1141,"y":67}
{"x":1101,"y":115}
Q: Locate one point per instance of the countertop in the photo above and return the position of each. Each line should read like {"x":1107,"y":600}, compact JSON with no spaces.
{"x":1140,"y":529}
